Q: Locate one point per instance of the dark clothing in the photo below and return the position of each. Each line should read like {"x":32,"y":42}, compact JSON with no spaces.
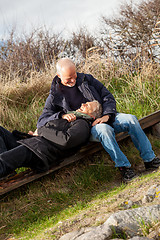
{"x":57,"y":104}
{"x":12,"y":154}
{"x":19,"y":156}
{"x":66,"y":135}
{"x":58,"y":139}
{"x":7,"y":140}
{"x":74,"y":96}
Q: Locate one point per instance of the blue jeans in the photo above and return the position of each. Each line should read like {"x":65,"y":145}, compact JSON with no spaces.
{"x":123,"y":123}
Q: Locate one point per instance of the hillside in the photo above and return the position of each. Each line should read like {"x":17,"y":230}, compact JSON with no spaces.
{"x":82,"y":195}
{"x":134,"y":196}
{"x":78,"y":200}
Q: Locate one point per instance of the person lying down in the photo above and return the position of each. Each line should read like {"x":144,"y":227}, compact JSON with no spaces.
{"x":48,"y":145}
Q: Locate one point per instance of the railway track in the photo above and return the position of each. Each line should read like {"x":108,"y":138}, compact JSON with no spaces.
{"x":18,"y":180}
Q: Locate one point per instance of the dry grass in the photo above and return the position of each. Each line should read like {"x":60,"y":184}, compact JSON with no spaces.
{"x":135,"y":91}
{"x":22,"y":102}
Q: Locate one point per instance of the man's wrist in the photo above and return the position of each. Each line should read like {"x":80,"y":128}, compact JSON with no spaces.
{"x":109,"y":115}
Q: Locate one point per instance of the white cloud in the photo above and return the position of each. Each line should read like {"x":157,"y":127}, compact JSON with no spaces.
{"x":58,"y":15}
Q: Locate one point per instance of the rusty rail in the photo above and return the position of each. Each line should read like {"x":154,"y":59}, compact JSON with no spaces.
{"x":23,"y":178}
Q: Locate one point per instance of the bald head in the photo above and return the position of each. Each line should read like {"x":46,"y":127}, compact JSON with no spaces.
{"x":64,"y":63}
{"x":66,"y":71}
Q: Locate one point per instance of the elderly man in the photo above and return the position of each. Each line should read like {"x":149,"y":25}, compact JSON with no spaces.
{"x":70,"y":89}
{"x":57,"y":139}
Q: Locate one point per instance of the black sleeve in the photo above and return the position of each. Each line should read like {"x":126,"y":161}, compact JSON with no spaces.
{"x":50,"y":112}
{"x":63,"y":133}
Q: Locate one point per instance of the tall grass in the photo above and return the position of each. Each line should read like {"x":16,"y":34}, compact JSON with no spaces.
{"x":136,"y":92}
{"x":21,"y":103}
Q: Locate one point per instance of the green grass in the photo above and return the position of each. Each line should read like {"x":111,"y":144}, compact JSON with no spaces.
{"x":49,"y":207}
{"x":134,"y":98}
{"x":29,"y":211}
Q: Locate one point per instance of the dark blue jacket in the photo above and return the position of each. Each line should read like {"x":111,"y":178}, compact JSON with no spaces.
{"x":56,"y":104}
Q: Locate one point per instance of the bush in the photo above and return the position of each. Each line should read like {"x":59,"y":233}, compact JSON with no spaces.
{"x":133,"y":33}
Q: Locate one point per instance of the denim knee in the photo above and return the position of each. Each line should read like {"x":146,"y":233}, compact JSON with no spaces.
{"x":131,"y":118}
{"x":125,"y":122}
{"x":131,"y":124}
{"x":102,"y":130}
{"x":122,"y":118}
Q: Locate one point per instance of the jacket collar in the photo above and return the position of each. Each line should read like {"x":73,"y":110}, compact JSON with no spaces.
{"x":55,"y":91}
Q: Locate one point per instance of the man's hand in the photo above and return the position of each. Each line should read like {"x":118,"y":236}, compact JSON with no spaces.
{"x":70,"y":117}
{"x":35,"y":133}
{"x":101,"y":120}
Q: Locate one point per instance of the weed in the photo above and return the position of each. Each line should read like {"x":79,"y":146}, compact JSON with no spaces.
{"x":118,"y":233}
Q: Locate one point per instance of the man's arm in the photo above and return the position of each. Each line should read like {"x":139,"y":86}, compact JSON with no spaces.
{"x":50,"y":112}
{"x":107,"y":99}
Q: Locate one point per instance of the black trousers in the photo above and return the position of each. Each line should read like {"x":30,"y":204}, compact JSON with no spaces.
{"x":12,"y":154}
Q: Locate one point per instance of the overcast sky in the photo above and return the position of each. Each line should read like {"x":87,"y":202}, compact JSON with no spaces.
{"x":58,"y":15}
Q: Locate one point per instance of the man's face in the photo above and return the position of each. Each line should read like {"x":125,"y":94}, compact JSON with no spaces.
{"x":68,"y":76}
{"x":88,"y":108}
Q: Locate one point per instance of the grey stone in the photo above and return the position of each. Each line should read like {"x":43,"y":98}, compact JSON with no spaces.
{"x":96,"y":233}
{"x":130,"y":221}
{"x":127,"y":204}
{"x":146,"y":199}
{"x":117,"y":239}
{"x":153,"y":191}
{"x":74,"y":234}
{"x":130,"y":204}
{"x":157,"y":195}
{"x":140,"y":238}
{"x":99,"y":233}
